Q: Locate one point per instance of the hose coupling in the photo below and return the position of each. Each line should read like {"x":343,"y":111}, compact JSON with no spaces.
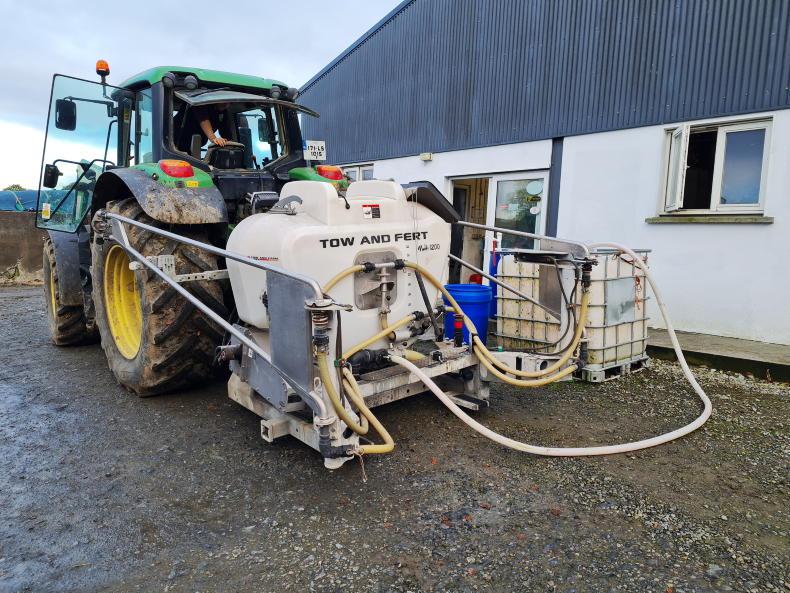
{"x":399,"y":264}
{"x":366,"y":358}
{"x":418,"y":315}
{"x":368,"y":266}
{"x":321,"y":342}
{"x":586,"y":271}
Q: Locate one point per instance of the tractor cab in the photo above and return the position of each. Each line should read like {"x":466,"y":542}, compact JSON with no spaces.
{"x":147,"y":138}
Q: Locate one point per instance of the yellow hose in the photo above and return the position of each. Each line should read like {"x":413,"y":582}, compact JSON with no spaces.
{"x":330,"y":285}
{"x":382,"y":334}
{"x":524,"y":382}
{"x":413,"y":355}
{"x":383,"y":322}
{"x":363,"y":421}
{"x":484,"y":355}
{"x":334,"y":397}
{"x":483,"y":352}
{"x":350,"y":384}
{"x":577,"y":337}
{"x":359,"y":401}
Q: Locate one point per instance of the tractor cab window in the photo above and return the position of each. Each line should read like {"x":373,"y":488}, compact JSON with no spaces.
{"x":260,"y":132}
{"x":83,"y":138}
{"x":247,"y":124}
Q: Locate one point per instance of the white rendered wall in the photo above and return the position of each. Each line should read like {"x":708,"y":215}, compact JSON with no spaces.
{"x":723,"y":279}
{"x":469,"y":163}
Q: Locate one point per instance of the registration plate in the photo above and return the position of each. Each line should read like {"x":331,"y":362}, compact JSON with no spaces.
{"x":314,"y":150}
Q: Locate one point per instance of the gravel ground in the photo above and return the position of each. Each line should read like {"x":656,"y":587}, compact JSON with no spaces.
{"x":101,"y":491}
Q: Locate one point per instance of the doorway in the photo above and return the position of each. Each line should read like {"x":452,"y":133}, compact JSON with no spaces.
{"x":470,"y":199}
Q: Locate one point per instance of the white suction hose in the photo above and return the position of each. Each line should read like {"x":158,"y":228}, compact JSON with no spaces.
{"x":583,"y":451}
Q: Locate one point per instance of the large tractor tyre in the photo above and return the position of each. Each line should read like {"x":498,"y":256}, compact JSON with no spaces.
{"x":154,"y":339}
{"x":68,"y":325}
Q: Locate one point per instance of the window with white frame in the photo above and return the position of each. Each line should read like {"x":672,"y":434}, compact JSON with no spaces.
{"x":359,"y":172}
{"x":717,"y":168}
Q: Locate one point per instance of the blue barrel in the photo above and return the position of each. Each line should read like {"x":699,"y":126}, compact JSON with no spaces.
{"x":475,"y":300}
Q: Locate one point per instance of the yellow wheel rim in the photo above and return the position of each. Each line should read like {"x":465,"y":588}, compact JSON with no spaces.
{"x":122,"y":303}
{"x":53,"y":306}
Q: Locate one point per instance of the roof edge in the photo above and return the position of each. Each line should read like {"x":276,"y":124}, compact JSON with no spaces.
{"x":351,"y":48}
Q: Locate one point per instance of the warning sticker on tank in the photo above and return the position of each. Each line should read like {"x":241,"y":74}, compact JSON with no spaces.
{"x":371,"y":211}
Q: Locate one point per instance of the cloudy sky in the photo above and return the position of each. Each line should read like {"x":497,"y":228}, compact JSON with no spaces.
{"x":289,"y":41}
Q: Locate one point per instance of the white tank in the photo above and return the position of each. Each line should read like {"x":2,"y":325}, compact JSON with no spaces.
{"x":325,"y":236}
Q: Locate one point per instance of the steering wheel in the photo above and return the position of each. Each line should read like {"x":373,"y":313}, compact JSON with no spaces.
{"x":230,"y":144}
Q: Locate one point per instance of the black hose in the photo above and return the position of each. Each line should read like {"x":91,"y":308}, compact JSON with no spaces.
{"x":569,"y":304}
{"x":437,"y":330}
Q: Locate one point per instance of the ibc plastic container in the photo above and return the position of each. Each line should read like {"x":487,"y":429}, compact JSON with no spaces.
{"x":616,"y":322}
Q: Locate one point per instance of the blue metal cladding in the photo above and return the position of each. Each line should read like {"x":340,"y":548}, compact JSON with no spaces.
{"x":439,"y":75}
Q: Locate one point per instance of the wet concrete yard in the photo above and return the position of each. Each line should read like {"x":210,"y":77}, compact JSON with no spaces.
{"x":102,"y":491}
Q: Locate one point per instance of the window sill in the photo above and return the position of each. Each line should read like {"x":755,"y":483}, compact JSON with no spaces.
{"x":710,"y":219}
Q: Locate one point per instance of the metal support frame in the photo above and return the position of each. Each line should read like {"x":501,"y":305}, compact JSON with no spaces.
{"x":575,"y":248}
{"x":477,"y":270}
{"x":167,"y":263}
{"x":393,"y":383}
{"x":118,"y":234}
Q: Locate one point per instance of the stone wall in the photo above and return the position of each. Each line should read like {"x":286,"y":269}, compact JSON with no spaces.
{"x":20,"y":248}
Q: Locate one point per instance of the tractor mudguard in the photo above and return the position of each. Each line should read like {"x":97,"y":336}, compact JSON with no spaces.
{"x":67,"y":261}
{"x":161,"y":201}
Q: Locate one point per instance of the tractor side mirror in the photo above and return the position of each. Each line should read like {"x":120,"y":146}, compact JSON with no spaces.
{"x":65,"y":114}
{"x":262,"y":130}
{"x":51,"y":174}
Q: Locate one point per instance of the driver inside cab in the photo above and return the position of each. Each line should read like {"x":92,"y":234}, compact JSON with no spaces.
{"x":207,"y":122}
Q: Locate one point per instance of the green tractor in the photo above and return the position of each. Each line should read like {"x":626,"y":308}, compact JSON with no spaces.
{"x":190,"y":150}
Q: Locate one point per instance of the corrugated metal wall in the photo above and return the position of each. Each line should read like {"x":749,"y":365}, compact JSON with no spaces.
{"x":443,"y":75}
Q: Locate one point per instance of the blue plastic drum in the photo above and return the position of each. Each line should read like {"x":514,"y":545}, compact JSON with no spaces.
{"x":475,"y":300}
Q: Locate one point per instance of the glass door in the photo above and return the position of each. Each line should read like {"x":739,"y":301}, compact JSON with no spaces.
{"x":517,"y":201}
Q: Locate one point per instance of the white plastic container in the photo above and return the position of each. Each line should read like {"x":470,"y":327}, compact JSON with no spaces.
{"x":325,"y":237}
{"x":617,"y":318}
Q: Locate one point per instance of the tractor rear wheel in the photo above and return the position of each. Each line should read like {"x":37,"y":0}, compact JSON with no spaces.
{"x":68,"y":325}
{"x":154,"y":339}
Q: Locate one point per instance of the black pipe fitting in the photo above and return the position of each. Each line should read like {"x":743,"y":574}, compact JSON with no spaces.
{"x":458,"y":330}
{"x":368,"y":266}
{"x":399,"y":264}
{"x":367,"y":358}
{"x":586,"y":270}
{"x":330,"y":451}
{"x":228,"y":352}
